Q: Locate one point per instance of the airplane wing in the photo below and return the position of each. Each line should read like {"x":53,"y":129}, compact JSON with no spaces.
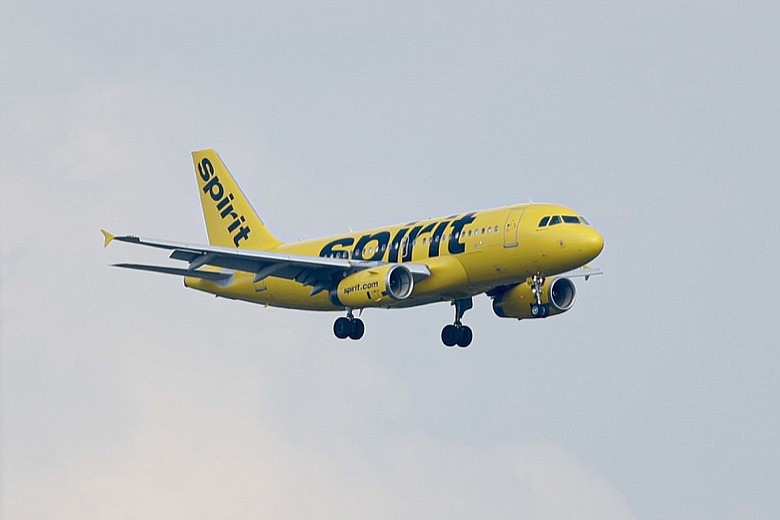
{"x":318,"y":272}
{"x":585,"y":271}
{"x":212,"y":276}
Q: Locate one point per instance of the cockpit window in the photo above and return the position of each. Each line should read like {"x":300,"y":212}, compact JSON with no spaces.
{"x":555,"y":220}
{"x":544,"y":221}
{"x":582,"y":219}
{"x":569,"y":219}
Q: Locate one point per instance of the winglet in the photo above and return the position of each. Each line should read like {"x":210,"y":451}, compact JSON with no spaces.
{"x":107,"y":237}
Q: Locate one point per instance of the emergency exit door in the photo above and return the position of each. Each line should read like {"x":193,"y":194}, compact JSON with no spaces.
{"x":511,"y":227}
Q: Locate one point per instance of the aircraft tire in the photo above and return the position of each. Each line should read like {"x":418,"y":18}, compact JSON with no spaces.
{"x":449,"y":335}
{"x":358,"y":329}
{"x":537,"y":311}
{"x":465,"y":336}
{"x":342,"y":328}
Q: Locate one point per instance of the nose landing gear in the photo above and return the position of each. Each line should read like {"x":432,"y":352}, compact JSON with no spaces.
{"x":457,"y":333}
{"x":349,"y":327}
{"x":538,"y":310}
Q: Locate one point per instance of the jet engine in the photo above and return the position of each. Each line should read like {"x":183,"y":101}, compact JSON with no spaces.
{"x":557,"y":296}
{"x":374,"y":287}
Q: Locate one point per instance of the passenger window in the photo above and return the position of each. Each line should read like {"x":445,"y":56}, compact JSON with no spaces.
{"x":469,"y":232}
{"x":495,"y":229}
{"x":555,"y":220}
{"x":490,"y":230}
{"x":544,"y":221}
{"x":570,"y":219}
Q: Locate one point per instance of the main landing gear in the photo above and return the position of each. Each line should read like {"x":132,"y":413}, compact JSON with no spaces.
{"x":349,"y":327}
{"x":458,"y":334}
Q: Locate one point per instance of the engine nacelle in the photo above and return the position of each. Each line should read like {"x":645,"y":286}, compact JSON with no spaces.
{"x":558,"y":295}
{"x":374,"y":287}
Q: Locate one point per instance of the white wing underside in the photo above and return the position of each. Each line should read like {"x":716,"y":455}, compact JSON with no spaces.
{"x":316,"y":272}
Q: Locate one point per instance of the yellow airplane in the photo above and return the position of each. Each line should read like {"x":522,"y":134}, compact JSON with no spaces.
{"x":516,"y":255}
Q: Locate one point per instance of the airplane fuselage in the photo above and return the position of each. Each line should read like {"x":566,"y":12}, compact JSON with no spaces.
{"x":467,"y":254}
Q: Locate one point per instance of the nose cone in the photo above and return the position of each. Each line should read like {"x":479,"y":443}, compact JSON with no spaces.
{"x":592,"y":244}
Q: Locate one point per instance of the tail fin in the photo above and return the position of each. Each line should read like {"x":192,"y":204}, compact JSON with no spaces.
{"x":230,"y":219}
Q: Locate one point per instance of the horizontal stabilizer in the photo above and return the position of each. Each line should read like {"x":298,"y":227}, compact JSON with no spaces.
{"x":205,"y":275}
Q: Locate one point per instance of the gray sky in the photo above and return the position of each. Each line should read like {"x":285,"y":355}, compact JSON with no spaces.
{"x":126,"y":395}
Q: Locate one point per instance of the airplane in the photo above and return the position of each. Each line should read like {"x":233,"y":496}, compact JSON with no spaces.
{"x":522,"y":256}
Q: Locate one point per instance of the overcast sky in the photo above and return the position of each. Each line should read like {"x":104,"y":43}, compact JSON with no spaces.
{"x":125,"y":395}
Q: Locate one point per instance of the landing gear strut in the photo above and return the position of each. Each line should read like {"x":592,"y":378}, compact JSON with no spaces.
{"x":349,"y":327}
{"x":538,"y":310}
{"x":457,"y":333}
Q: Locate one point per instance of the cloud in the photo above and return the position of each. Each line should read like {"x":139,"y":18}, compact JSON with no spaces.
{"x":208,"y":442}
{"x":562,"y":487}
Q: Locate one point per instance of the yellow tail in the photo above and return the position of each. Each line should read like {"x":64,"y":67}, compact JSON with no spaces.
{"x":230,"y":219}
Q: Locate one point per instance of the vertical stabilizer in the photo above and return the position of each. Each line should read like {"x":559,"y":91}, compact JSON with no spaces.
{"x":230,"y":219}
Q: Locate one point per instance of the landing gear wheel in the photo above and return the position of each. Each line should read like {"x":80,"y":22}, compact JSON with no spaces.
{"x":358,"y":328}
{"x":450,"y":335}
{"x":537,"y":311}
{"x":457,"y":333}
{"x":342,"y":328}
{"x":465,"y":336}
